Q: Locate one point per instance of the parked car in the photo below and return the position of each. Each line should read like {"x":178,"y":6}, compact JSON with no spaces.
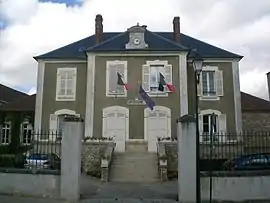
{"x":260,"y":161}
{"x":43,"y":161}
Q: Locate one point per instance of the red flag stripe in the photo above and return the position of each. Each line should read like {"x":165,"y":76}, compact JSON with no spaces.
{"x":126,"y":86}
{"x":170,"y":87}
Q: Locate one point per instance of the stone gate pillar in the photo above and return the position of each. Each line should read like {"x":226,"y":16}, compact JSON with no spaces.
{"x":71,"y":148}
{"x":186,"y":132}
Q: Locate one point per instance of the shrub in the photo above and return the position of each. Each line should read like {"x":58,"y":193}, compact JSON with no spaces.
{"x":12,"y":160}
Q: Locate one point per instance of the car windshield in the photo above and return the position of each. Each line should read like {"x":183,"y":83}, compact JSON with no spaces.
{"x":38,"y":156}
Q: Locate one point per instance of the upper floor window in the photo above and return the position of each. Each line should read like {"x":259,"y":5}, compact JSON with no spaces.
{"x":151,"y":76}
{"x":113,"y":68}
{"x":6,"y":133}
{"x":66,"y":84}
{"x":211,"y":85}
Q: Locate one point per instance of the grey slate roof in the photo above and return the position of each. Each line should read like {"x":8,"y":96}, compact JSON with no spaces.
{"x":8,"y":94}
{"x":157,"y":41}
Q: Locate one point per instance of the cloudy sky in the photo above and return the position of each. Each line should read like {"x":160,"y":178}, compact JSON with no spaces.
{"x":32,"y":27}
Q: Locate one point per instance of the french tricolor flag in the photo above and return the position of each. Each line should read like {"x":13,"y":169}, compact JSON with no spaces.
{"x":121,"y":82}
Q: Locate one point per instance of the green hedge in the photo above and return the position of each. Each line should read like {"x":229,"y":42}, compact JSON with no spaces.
{"x":12,"y":160}
{"x":11,"y":149}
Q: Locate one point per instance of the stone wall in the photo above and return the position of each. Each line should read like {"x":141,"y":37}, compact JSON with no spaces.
{"x":253,"y":121}
{"x":92,"y":153}
{"x":237,"y":189}
{"x":39,"y":185}
{"x":171,"y":150}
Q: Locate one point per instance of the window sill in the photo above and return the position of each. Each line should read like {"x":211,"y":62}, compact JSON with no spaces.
{"x":65,"y":99}
{"x":158,"y":94}
{"x":4,"y":144}
{"x":210,"y":98}
{"x":26,"y":144}
{"x":116,"y":95}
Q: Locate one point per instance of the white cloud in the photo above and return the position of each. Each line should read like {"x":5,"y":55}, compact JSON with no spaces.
{"x":35,"y":28}
{"x":33,"y":90}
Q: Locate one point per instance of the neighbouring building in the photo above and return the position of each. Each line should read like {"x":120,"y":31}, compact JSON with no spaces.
{"x":17,"y":120}
{"x":256,"y":111}
{"x":80,"y":79}
{"x":8,"y":94}
{"x":7,"y":97}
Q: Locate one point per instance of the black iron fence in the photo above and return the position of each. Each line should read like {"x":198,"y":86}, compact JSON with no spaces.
{"x":32,"y":150}
{"x":228,"y":151}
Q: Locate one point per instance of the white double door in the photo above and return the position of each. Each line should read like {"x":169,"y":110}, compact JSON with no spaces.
{"x":116,"y":125}
{"x":157,"y":124}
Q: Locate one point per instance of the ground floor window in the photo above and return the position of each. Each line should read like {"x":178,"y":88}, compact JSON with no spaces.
{"x":27,"y":132}
{"x":6,"y":133}
{"x":212,"y":122}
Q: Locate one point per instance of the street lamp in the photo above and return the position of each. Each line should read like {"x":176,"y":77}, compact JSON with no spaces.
{"x":197,"y":65}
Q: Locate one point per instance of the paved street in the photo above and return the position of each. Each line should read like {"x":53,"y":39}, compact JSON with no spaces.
{"x":10,"y":199}
{"x":114,"y":190}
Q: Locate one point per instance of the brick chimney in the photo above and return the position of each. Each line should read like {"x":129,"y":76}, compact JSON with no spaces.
{"x":99,"y":28}
{"x":268,"y":80}
{"x":176,"y":29}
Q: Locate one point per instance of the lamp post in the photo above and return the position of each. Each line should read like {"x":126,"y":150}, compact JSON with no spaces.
{"x":197,"y":65}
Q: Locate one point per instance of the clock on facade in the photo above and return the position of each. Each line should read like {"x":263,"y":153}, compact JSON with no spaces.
{"x":136,"y":41}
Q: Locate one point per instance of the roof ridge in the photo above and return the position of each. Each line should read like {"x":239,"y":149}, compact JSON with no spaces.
{"x":12,"y":89}
{"x":167,"y":40}
{"x":211,"y":45}
{"x":106,"y":41}
{"x":259,"y":98}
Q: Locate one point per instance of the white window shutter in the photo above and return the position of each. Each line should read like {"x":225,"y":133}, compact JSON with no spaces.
{"x":112,"y":79}
{"x":146,"y":78}
{"x":199,"y":86}
{"x":120,"y":68}
{"x":200,"y":119}
{"x":73,"y":74}
{"x":61,"y":82}
{"x":168,"y":75}
{"x":219,"y":82}
{"x":222,"y":123}
{"x":66,"y":83}
{"x":53,"y":122}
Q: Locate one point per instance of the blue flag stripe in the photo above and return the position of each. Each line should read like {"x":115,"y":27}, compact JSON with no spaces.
{"x":149,"y":102}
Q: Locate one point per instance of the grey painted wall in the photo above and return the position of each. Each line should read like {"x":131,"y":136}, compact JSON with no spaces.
{"x":30,"y":184}
{"x":237,"y":188}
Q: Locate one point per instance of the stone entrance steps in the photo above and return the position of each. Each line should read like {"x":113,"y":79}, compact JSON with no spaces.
{"x":134,"y":166}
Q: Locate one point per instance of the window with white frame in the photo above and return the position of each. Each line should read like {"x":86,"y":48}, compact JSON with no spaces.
{"x":211,"y":85}
{"x":208,"y":83}
{"x":6,"y":133}
{"x":66,"y":84}
{"x":151,"y":76}
{"x":56,"y":122}
{"x":212,"y":122}
{"x":112,"y":68}
{"x":27,"y":132}
{"x":209,"y":126}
